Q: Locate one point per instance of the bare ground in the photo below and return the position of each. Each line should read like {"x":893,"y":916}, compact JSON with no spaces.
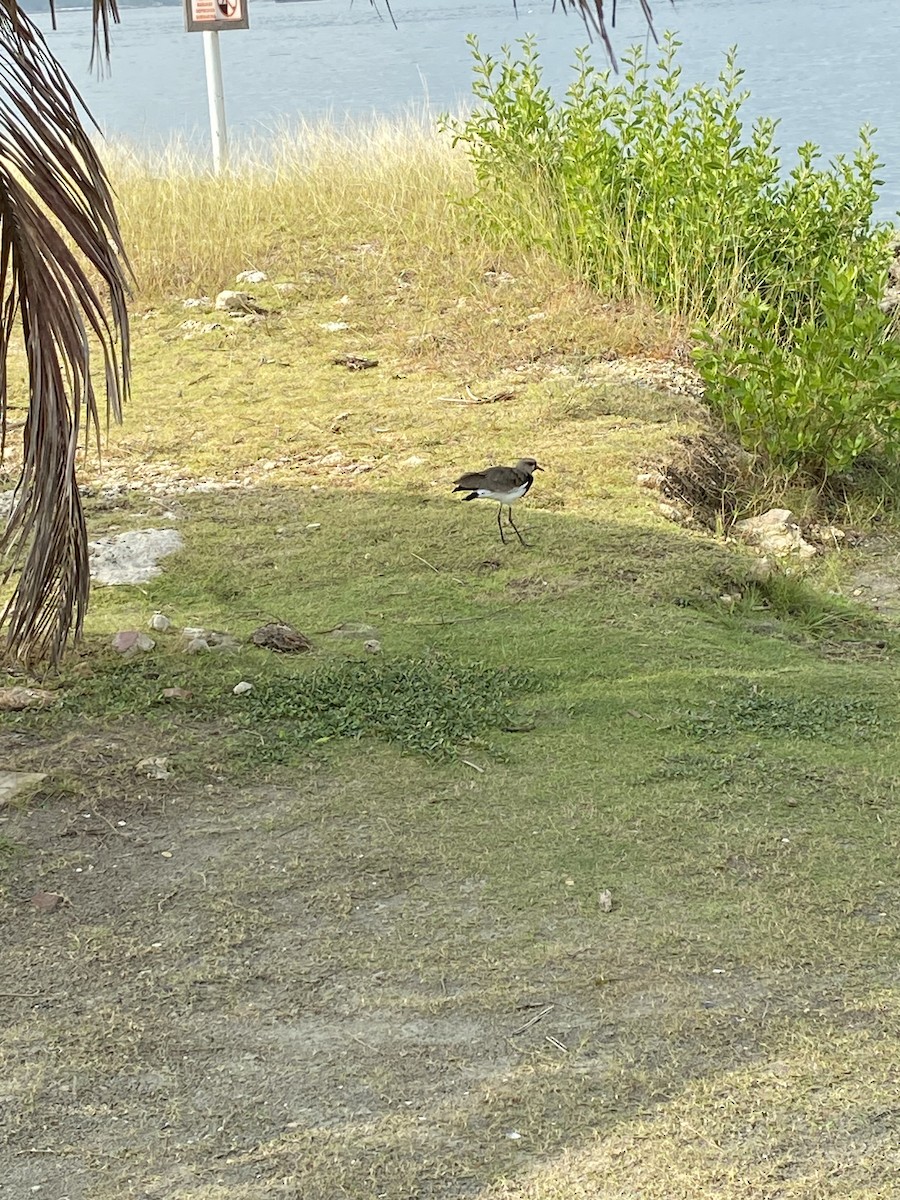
{"x":279,"y":990}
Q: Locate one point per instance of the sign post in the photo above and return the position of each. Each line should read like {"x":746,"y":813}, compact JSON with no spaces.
{"x":208,"y":17}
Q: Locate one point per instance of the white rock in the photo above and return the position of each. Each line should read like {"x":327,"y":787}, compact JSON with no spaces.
{"x":160,"y":622}
{"x":242,"y":688}
{"x":333,"y":326}
{"x":197,"y":645}
{"x":251,"y":277}
{"x":372,"y":646}
{"x":776,"y":532}
{"x":237,"y":302}
{"x":314,"y":525}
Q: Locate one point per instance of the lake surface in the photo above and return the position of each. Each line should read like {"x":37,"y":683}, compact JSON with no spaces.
{"x":824,"y":67}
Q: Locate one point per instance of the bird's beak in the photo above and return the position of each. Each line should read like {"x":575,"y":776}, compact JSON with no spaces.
{"x":537,"y":468}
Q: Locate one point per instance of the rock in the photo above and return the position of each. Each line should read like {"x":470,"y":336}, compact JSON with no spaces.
{"x":208,"y":639}
{"x":413,"y":461}
{"x":153,"y":768}
{"x":129,"y":642}
{"x":776,"y":532}
{"x":197,"y":302}
{"x":237,"y":302}
{"x":761,"y":570}
{"x":132,"y":557}
{"x":242,"y":688}
{"x":670,"y":512}
{"x":372,"y":646}
{"x":649,"y":479}
{"x":251,"y":277}
{"x":160,"y":622}
{"x":605,"y":901}
{"x":314,"y":525}
{"x":18,"y":783}
{"x":14,"y":699}
{"x":333,"y":326}
{"x":282,"y":638}
{"x":46,"y":901}
{"x":176,"y":693}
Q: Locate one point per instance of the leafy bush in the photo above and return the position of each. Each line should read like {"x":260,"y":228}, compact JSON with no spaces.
{"x":656,"y":192}
{"x":818,"y":398}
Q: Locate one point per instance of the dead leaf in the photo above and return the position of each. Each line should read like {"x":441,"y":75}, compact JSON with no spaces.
{"x":46,"y":901}
{"x":13,"y":699}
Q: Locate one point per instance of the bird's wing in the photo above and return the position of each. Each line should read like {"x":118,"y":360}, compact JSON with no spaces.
{"x":474,"y":479}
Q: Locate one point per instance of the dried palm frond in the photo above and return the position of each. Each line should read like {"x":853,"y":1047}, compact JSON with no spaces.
{"x":593,"y":13}
{"x":59,"y":243}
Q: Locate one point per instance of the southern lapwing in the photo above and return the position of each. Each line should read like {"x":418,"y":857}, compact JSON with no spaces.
{"x":506,"y":485}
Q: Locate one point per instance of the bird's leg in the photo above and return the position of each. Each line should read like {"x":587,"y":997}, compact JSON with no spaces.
{"x":515,"y":530}
{"x":499,"y":526}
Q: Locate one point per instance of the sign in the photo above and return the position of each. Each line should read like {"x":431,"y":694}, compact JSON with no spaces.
{"x":200,"y":15}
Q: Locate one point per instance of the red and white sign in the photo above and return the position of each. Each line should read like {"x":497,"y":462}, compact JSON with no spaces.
{"x":215,"y":14}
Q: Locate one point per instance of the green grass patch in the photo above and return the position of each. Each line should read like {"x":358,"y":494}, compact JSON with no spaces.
{"x":429,"y":705}
{"x":745,"y":707}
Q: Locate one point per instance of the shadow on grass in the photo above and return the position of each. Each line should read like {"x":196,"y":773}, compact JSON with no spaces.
{"x":360,"y":973}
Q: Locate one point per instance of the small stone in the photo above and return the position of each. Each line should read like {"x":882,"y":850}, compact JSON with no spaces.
{"x":197,"y":302}
{"x":251,"y":277}
{"x":242,"y":688}
{"x":46,"y":901}
{"x":176,"y":693}
{"x":314,"y":525}
{"x":160,"y":622}
{"x":670,"y":512}
{"x":413,"y":461}
{"x":333,"y":326}
{"x":372,"y":646}
{"x":237,"y":302}
{"x":196,"y":645}
{"x":605,"y":901}
{"x":130,"y":642}
{"x":153,"y":768}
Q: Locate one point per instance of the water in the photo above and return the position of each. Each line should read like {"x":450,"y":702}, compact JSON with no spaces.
{"x":824,"y":67}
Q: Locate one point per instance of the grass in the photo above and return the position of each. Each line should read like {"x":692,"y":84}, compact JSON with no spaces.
{"x":307,"y":964}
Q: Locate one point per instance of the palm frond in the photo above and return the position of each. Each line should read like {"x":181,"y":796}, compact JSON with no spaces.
{"x":59,"y":244}
{"x":593,"y":13}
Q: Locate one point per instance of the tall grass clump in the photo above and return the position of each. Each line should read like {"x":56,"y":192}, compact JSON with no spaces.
{"x":658,"y":193}
{"x":326,"y":184}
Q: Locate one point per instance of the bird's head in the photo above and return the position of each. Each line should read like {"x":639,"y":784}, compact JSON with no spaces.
{"x":529,"y":465}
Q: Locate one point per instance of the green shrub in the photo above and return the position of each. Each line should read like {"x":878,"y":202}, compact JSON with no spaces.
{"x":816,"y":399}
{"x":657,"y":192}
{"x":651,"y":190}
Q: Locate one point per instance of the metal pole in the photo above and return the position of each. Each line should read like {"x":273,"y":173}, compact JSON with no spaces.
{"x":216,"y":94}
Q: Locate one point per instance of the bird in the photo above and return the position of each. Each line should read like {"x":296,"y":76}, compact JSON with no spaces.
{"x":506,"y":485}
